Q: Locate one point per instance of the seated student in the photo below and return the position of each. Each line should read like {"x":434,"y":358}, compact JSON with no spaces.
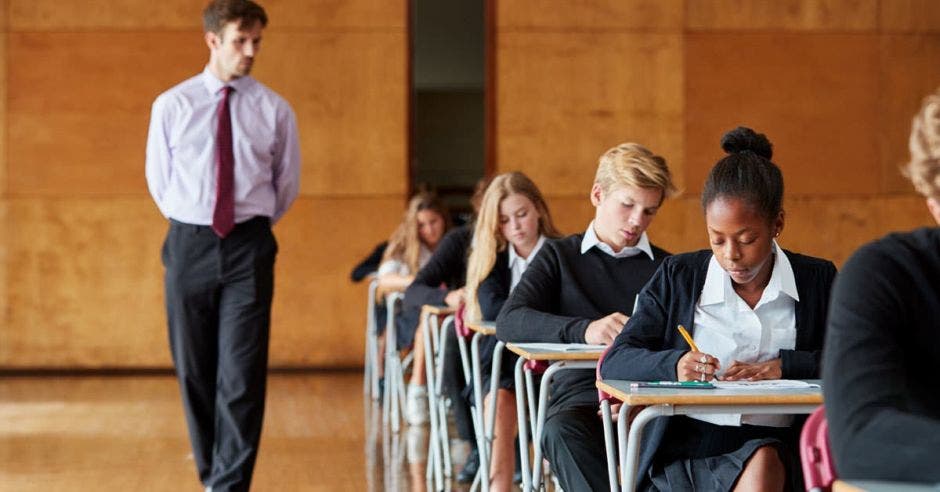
{"x":513,"y":223}
{"x":440,"y":282}
{"x":410,"y":247}
{"x":413,"y":242}
{"x":577,"y":290}
{"x":755,"y":310}
{"x":882,"y":347}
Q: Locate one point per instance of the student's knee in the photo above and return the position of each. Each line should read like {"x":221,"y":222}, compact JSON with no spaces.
{"x":766,"y":458}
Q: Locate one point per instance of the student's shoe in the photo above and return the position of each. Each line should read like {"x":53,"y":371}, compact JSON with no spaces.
{"x":416,"y":405}
{"x":470,"y":468}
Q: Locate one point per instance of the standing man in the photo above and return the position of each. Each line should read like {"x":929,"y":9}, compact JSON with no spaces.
{"x":223,"y":164}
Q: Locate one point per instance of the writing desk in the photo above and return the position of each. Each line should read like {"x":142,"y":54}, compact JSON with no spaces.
{"x":434,"y":335}
{"x":484,"y":424}
{"x":663,"y":402}
{"x":562,"y":358}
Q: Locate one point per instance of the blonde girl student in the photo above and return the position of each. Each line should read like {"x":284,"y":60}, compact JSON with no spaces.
{"x":423,"y":225}
{"x":513,"y":224}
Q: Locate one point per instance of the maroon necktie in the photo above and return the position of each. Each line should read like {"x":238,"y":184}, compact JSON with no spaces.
{"x":223,"y":215}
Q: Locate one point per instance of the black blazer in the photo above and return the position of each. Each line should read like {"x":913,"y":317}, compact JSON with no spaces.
{"x":494,"y":289}
{"x":650,"y":346}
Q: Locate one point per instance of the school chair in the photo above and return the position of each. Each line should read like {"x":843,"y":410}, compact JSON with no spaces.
{"x":370,"y":381}
{"x":393,"y":400}
{"x":818,"y":469}
{"x":435,"y":334}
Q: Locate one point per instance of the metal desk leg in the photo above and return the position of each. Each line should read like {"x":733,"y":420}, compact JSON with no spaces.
{"x":482,"y":447}
{"x":523,"y":425}
{"x":494,"y":392}
{"x":609,"y":445}
{"x":435,"y":464}
{"x":632,"y":459}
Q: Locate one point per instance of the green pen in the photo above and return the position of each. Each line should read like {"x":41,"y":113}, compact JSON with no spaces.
{"x":674,"y":384}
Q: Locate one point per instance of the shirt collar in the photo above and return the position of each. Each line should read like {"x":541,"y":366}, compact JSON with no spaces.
{"x":513,"y":257}
{"x":214,"y":85}
{"x":591,"y":240}
{"x":782,"y":280}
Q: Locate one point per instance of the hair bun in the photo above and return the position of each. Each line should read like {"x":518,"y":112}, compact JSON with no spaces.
{"x":743,"y":139}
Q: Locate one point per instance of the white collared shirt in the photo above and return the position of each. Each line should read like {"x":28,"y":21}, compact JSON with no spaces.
{"x":591,"y":240}
{"x":727,"y":328}
{"x":518,"y":264}
{"x":181,"y":169}
{"x":399,"y":267}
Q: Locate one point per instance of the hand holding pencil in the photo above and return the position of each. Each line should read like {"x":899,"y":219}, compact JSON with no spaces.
{"x":695,"y":365}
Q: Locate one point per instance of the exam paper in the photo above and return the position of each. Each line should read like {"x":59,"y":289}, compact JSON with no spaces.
{"x":563,"y":347}
{"x":768,"y":384}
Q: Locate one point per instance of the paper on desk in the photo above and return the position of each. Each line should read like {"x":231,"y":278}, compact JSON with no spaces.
{"x":768,"y":384}
{"x":563,"y":347}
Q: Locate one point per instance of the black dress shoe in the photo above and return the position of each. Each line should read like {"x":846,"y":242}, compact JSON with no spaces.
{"x":470,"y":468}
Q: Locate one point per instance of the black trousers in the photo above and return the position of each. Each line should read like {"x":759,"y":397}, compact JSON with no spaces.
{"x":218,"y":303}
{"x":573,"y":442}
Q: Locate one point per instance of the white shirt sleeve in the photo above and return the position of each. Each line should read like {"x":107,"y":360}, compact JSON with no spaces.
{"x":286,"y":177}
{"x":158,"y":167}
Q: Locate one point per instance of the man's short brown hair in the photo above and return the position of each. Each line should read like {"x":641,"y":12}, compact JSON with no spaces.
{"x":220,"y":12}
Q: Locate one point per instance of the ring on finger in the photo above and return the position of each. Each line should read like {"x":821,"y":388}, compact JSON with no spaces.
{"x":703,"y":377}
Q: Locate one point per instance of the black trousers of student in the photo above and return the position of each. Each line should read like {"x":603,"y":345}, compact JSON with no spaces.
{"x":218,"y":302}
{"x":573,"y":442}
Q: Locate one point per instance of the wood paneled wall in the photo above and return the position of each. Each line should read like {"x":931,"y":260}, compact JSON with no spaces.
{"x":80,"y":275}
{"x":833,"y":83}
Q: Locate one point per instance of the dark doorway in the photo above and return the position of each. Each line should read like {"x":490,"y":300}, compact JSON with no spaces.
{"x":447,"y":99}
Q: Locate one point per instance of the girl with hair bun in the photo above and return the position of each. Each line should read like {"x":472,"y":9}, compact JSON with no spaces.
{"x":755,"y":310}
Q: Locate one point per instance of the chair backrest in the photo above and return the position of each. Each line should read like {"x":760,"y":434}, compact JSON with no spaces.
{"x":818,"y":469}
{"x":460,"y":327}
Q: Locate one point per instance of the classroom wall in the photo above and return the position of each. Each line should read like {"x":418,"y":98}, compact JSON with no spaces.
{"x":832,"y":82}
{"x":80,"y":275}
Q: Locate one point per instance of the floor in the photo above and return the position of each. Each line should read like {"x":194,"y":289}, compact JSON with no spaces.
{"x":128,"y":433}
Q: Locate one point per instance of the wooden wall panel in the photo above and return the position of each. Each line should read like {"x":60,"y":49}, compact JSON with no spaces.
{"x":910,"y":69}
{"x":834,"y":227}
{"x":319,"y":314}
{"x":565,"y":98}
{"x":349,"y":93}
{"x":798,"y":15}
{"x":909,"y":15}
{"x":51,"y":15}
{"x":90,"y":282}
{"x":815,"y":96}
{"x":590,"y":15}
{"x":79,"y":105}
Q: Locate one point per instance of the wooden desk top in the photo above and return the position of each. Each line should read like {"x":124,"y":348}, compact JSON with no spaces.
{"x":483,"y":327}
{"x":554,"y":351}
{"x":655,"y":396}
{"x":438,"y":310}
{"x":381,"y":292}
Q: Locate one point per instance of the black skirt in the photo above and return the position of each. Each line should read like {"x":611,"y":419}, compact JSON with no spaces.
{"x":697,"y":455}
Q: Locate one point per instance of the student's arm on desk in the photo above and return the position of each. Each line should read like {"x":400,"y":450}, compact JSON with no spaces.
{"x":640,"y":351}
{"x":874,"y":432}
{"x":426,"y":288}
{"x":526,"y":315}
